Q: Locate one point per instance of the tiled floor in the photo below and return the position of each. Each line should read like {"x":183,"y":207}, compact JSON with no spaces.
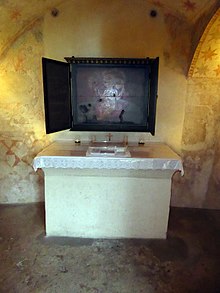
{"x":188,"y":261}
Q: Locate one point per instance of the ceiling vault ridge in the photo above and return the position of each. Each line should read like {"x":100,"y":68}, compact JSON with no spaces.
{"x":27,"y":27}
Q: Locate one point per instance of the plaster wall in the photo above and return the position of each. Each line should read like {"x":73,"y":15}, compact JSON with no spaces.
{"x":200,"y":186}
{"x":113,"y":29}
{"x":21,"y":119}
{"x":103,"y":29}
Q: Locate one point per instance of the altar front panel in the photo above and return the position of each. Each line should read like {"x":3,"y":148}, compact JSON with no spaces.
{"x":107,"y":203}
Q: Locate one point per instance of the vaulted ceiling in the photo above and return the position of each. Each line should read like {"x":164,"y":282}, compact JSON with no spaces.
{"x":17,"y":15}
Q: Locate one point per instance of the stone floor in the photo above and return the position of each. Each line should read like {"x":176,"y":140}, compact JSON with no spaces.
{"x":188,"y":261}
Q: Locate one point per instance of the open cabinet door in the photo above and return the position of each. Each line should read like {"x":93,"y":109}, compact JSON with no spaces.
{"x":154,"y":65}
{"x":57,"y":102}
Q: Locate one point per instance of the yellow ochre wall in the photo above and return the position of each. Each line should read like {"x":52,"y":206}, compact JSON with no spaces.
{"x":92,"y":28}
{"x":200,"y":187}
{"x":113,"y":29}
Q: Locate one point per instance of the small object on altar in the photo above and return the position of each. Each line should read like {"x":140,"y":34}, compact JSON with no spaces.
{"x":141,"y":142}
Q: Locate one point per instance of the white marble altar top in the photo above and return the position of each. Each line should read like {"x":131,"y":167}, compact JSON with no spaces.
{"x":67,"y":154}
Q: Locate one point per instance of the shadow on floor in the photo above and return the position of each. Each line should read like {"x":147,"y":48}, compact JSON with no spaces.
{"x":187,"y":261}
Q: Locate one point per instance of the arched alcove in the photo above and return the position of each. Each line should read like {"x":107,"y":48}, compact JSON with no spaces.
{"x":201,"y":135}
{"x":85,"y":28}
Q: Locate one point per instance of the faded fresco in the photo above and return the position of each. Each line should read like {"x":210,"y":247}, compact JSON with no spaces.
{"x":22,"y":118}
{"x":22,"y":129}
{"x":200,"y":187}
{"x":111,"y":95}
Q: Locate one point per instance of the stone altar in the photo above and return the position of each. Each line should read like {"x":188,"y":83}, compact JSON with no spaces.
{"x":107,"y":197}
